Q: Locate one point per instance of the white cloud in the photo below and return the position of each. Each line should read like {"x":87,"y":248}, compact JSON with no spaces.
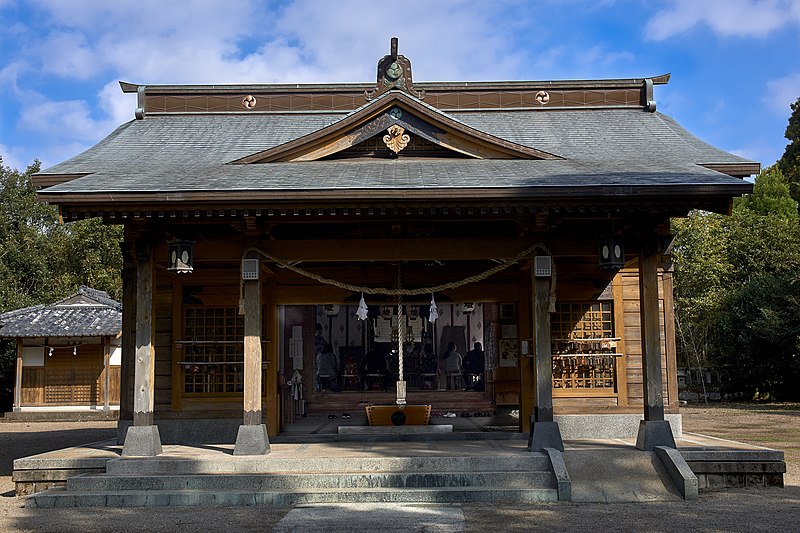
{"x":56,"y":119}
{"x":781,"y":92}
{"x":158,"y":42}
{"x":119,"y":106}
{"x":740,"y":18}
{"x":12,"y":157}
{"x":68,"y":54}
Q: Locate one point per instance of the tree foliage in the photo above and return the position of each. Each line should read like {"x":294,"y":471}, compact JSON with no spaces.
{"x":789,"y":163}
{"x":737,"y":288}
{"x":42,"y":260}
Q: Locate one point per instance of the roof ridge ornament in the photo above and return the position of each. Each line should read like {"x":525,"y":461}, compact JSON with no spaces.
{"x":394,"y":72}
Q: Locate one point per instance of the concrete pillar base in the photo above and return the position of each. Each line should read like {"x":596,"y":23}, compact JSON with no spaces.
{"x":654,"y":433}
{"x":252,"y":440}
{"x":544,"y":435}
{"x":142,"y":441}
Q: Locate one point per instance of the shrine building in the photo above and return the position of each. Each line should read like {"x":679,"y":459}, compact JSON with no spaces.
{"x":387,"y":220}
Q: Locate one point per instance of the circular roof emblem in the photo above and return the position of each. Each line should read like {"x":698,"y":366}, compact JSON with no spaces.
{"x":542,"y":97}
{"x":394,"y":71}
{"x":249,"y":101}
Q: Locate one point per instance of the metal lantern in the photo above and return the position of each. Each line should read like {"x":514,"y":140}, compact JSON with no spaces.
{"x":180,"y":257}
{"x":611,"y":253}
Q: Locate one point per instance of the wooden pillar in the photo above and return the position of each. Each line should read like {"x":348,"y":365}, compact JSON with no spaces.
{"x":106,"y":372}
{"x":542,"y":350}
{"x":545,"y":432}
{"x":144,"y":372}
{"x":143,"y":437}
{"x":669,"y":344}
{"x":18,"y":379}
{"x":651,"y":336}
{"x":654,"y":430}
{"x":128,"y":330}
{"x":526,"y":361}
{"x":252,"y":352}
{"x":252,"y":437}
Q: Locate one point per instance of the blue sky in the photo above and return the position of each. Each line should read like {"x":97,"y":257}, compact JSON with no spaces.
{"x":734,"y":63}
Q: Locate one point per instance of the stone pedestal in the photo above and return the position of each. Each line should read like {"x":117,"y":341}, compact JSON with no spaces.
{"x":252,"y":440}
{"x":544,"y":435}
{"x":143,"y":441}
{"x":654,"y":433}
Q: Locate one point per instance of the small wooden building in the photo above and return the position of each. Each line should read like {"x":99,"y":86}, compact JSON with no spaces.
{"x":535,"y":215}
{"x":68,"y":353}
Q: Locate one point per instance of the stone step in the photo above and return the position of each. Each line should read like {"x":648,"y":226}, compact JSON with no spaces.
{"x":289,"y":482}
{"x":62,"y":498}
{"x":164,"y":465}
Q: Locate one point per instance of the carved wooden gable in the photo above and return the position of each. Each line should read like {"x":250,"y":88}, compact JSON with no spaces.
{"x":396,"y":123}
{"x":397,"y":120}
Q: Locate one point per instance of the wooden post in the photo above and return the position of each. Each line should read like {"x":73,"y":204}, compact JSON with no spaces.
{"x":545,"y":432}
{"x":143,"y":381}
{"x":106,"y":372}
{"x":543,"y":366}
{"x":669,"y":333}
{"x":128,"y":329}
{"x":252,"y":352}
{"x":651,"y":336}
{"x":654,"y":430}
{"x":526,"y":361}
{"x":252,"y":438}
{"x":18,"y":379}
{"x":143,"y":438}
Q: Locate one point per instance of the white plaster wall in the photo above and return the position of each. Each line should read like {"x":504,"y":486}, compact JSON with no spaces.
{"x":33,"y":356}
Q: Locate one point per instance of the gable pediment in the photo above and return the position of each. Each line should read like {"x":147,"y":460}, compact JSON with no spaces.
{"x":396,"y":117}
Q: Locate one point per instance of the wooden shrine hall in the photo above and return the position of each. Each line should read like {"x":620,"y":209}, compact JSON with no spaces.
{"x":268,"y":224}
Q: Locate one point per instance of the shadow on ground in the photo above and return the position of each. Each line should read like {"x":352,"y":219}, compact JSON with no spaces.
{"x":28,"y":440}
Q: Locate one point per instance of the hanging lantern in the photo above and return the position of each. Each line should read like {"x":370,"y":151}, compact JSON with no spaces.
{"x":180,"y":257}
{"x":611,"y":253}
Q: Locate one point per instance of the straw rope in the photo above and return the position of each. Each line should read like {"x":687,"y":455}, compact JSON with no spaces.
{"x":504,"y":264}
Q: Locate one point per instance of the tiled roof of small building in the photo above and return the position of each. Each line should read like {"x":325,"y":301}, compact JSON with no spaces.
{"x":87,"y":313}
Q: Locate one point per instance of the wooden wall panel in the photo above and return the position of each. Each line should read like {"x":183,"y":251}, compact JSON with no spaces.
{"x":74,"y":379}
{"x":32,"y":385}
{"x":633,"y":337}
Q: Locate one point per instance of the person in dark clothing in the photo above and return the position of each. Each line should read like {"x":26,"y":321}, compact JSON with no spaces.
{"x":474,"y":367}
{"x":373,"y":372}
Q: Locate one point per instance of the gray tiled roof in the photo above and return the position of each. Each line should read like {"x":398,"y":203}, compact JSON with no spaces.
{"x":600,"y":147}
{"x":87,"y":313}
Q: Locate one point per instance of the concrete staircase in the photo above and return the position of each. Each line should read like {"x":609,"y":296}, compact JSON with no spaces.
{"x":225,"y":480}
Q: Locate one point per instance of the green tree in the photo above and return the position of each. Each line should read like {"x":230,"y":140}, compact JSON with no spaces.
{"x":42,"y":260}
{"x":789,"y":163}
{"x":771,"y":196}
{"x":759,"y":338}
{"x":734,"y":279}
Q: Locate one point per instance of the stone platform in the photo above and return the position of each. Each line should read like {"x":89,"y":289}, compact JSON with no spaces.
{"x":315,"y":463}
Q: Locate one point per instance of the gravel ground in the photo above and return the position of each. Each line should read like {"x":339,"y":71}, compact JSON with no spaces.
{"x":772,"y":509}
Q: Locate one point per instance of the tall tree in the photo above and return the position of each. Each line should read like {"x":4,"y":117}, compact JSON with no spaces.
{"x":789,"y":163}
{"x":736,"y":288}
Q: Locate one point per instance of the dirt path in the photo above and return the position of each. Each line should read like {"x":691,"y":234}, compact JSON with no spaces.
{"x":767,"y":510}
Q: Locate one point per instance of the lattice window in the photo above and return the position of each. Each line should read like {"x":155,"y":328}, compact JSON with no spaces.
{"x":213,"y":350}
{"x":584,"y":346}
